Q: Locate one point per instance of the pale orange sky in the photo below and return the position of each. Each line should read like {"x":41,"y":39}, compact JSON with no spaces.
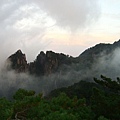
{"x":105,"y":30}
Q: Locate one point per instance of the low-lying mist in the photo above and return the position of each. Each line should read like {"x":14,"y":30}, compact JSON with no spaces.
{"x":106,"y":64}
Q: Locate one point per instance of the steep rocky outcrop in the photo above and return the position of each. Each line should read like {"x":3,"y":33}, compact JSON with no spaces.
{"x":18,"y":61}
{"x":44,"y":64}
{"x":50,"y":62}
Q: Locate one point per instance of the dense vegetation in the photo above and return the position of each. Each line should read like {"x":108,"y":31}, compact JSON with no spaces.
{"x":104,"y":103}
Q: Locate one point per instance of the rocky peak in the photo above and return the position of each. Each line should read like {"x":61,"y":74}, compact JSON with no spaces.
{"x":41,"y":58}
{"x":117,"y":43}
{"x":19,"y":52}
{"x":18,"y":61}
{"x":44,"y":64}
{"x":51,"y":62}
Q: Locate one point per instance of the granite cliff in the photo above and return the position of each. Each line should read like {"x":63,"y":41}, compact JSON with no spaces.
{"x":18,"y":61}
{"x":44,"y":64}
{"x":50,"y":62}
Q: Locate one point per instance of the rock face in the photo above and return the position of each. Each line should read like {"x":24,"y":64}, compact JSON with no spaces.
{"x":44,"y":64}
{"x":18,"y":61}
{"x":50,"y":62}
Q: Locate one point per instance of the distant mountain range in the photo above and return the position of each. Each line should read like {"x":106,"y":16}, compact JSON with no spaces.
{"x":50,"y":70}
{"x":51,"y":62}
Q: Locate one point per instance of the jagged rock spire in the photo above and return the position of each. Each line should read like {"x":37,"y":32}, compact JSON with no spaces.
{"x":18,"y":61}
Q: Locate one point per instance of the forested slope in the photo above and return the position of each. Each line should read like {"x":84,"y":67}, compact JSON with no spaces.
{"x":26,"y":105}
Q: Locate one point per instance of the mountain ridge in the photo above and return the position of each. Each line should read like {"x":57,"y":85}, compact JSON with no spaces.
{"x":44,"y":64}
{"x":50,"y":62}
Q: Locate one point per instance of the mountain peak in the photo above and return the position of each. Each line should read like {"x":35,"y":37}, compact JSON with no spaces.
{"x":18,"y":61}
{"x":49,"y":62}
{"x":19,"y":51}
{"x":117,"y":42}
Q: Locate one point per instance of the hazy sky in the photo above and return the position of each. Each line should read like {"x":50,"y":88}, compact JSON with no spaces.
{"x":68,"y":26}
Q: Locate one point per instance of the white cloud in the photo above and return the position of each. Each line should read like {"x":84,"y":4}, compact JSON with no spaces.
{"x":73,"y":14}
{"x":24,"y":23}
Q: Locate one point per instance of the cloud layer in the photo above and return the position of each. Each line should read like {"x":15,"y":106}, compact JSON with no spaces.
{"x":25,"y":23}
{"x":73,"y":14}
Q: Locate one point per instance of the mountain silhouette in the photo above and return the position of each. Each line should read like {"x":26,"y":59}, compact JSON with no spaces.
{"x":51,"y":62}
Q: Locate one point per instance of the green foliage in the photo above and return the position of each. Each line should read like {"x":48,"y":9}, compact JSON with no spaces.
{"x":102,"y":118}
{"x":104,"y":105}
{"x":62,"y":108}
{"x":6,"y":109}
{"x":82,"y":89}
{"x":112,"y":85}
{"x":22,"y":107}
{"x":21,"y":93}
{"x":60,"y":116}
